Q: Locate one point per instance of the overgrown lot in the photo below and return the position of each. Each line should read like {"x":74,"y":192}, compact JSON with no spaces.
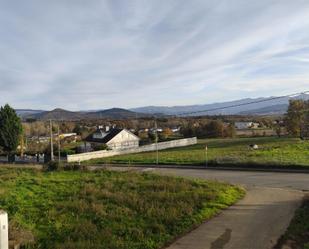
{"x":110,"y":210}
{"x":272,"y":151}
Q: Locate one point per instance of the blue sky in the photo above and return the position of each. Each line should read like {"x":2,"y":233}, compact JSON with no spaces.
{"x":98,"y":54}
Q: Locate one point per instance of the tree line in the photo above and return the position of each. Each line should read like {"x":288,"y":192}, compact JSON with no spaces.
{"x":211,"y":129}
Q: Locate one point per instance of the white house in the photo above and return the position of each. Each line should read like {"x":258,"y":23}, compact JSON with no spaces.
{"x":246,"y":125}
{"x":175,"y":129}
{"x":115,"y":138}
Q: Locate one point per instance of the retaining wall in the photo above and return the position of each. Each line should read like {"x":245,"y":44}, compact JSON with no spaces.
{"x":151,"y":147}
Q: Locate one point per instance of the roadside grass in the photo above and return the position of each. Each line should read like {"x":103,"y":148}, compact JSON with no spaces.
{"x":297,"y":234}
{"x":272,"y":151}
{"x":105,"y":209}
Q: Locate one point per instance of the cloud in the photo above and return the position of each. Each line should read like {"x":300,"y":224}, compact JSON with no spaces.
{"x":102,"y":54}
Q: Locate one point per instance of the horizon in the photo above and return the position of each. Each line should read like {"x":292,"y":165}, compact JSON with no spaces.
{"x":117,"y":54}
{"x":172,"y":106}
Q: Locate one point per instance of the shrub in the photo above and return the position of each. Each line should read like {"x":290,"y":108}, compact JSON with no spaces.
{"x":52,"y":166}
{"x":69,"y":167}
{"x":67,"y":151}
{"x":100,"y":147}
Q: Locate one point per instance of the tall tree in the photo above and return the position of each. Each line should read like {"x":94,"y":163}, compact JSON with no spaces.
{"x":295,"y":117}
{"x":10,"y":129}
{"x":305,"y":124}
{"x":215,"y":128}
{"x":230,"y":131}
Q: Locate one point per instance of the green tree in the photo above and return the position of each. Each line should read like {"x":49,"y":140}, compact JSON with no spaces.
{"x":78,"y":129}
{"x":166,"y":133}
{"x":214,"y":129}
{"x":10,"y":129}
{"x":188,"y":131}
{"x":295,"y":117}
{"x":305,"y":125}
{"x":230,"y":131}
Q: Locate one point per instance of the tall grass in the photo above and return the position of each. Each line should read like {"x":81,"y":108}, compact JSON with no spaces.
{"x":110,"y":210}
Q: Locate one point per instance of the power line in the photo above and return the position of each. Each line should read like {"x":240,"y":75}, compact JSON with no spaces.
{"x":242,"y":104}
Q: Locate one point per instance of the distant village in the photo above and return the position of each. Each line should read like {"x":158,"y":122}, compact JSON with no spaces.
{"x":73,"y":137}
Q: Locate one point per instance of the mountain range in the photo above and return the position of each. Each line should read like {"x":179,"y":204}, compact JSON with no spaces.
{"x":61,"y":114}
{"x":248,"y":106}
{"x":258,"y":106}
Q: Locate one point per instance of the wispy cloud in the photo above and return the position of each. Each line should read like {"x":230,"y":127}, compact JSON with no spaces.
{"x":98,"y":54}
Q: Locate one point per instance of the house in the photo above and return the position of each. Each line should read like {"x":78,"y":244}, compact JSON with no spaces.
{"x":114,"y":138}
{"x":154,"y":130}
{"x":175,"y":129}
{"x":65,"y":135}
{"x":68,"y":137}
{"x":246,"y":125}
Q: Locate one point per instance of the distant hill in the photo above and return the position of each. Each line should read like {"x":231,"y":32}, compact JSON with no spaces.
{"x":56,"y":114}
{"x":265,"y":106}
{"x":61,"y":114}
{"x":114,"y":113}
{"x":27,"y":112}
{"x":269,"y":110}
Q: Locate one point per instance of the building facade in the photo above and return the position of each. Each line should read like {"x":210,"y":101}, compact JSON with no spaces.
{"x":115,"y":139}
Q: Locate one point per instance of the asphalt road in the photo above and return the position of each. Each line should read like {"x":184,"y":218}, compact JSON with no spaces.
{"x":293,"y":181}
{"x":255,"y":222}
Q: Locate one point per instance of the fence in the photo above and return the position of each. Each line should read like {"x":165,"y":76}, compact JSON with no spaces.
{"x":151,"y":147}
{"x":23,"y":159}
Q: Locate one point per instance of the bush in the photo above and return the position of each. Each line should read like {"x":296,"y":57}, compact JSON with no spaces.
{"x":52,"y":166}
{"x":56,"y":166}
{"x":67,"y":151}
{"x":100,"y":147}
{"x":72,"y":167}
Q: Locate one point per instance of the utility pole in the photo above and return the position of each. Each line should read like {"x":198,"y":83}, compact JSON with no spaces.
{"x":51,"y":141}
{"x":206,"y":156}
{"x":58,"y":144}
{"x":157,"y":151}
{"x":22,"y":146}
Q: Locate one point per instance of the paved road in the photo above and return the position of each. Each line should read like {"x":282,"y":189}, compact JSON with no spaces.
{"x":257,"y":221}
{"x":294,"y":181}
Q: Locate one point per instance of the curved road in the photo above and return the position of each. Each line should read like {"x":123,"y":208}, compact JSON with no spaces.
{"x":257,"y":221}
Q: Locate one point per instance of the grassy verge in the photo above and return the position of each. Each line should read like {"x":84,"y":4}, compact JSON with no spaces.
{"x":272,"y":151}
{"x":107,"y":209}
{"x":297,"y":234}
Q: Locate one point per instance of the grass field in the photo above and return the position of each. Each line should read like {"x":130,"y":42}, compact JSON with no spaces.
{"x":272,"y":151}
{"x":297,"y":234}
{"x":110,"y":210}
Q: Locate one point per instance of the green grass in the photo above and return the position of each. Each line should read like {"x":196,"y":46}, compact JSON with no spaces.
{"x":297,"y":234}
{"x":272,"y":151}
{"x":104,"y":209}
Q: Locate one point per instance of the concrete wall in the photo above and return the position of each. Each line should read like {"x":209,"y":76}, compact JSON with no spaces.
{"x":256,"y":132}
{"x":151,"y":147}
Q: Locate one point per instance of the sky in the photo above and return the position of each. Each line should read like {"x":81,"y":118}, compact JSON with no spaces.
{"x":85,"y":55}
